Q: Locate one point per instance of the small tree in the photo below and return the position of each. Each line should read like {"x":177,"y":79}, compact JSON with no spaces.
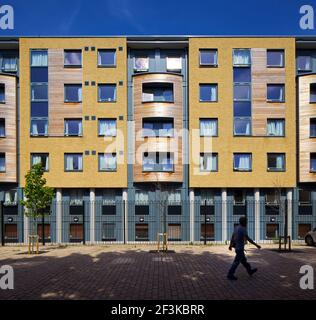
{"x":38,"y":196}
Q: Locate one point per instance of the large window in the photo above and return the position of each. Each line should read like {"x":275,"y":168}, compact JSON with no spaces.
{"x":2,"y":93}
{"x":241,"y":57}
{"x":312,"y":127}
{"x":108,"y":232}
{"x":107,"y":58}
{"x":73,"y":93}
{"x":208,"y":127}
{"x":208,"y":93}
{"x":158,"y":162}
{"x":174,"y":63}
{"x":73,"y":58}
{"x":2,"y":162}
{"x":9,"y":63}
{"x":2,"y":128}
{"x":141,"y":64}
{"x":39,"y":58}
{"x":275,"y":92}
{"x":73,"y":127}
{"x":158,"y":92}
{"x":107,"y":127}
{"x":304,"y":63}
{"x":242,"y":92}
{"x":272,"y":231}
{"x":312,"y":98}
{"x":313,"y":162}
{"x":107,"y":162}
{"x":208,"y":162}
{"x":42,"y":158}
{"x":73,"y":162}
{"x":107,"y":92}
{"x":242,"y":126}
{"x":158,"y":127}
{"x":275,"y":58}
{"x":242,"y":162}
{"x":39,"y":92}
{"x":39,"y":127}
{"x":276,"y":161}
{"x":276,"y":127}
{"x":208,"y":57}
{"x":141,"y":232}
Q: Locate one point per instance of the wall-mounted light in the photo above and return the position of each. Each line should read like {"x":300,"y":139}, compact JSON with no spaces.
{"x":208,"y":219}
{"x":10,"y":219}
{"x":272,"y":219}
{"x":141,"y":219}
{"x":76,"y":219}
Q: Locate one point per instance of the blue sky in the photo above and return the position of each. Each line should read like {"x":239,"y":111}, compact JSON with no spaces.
{"x":157,"y":17}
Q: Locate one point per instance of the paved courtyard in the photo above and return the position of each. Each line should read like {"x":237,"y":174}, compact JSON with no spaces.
{"x":132,"y":272}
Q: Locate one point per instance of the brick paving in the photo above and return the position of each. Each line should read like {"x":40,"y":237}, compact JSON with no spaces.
{"x":132,"y":272}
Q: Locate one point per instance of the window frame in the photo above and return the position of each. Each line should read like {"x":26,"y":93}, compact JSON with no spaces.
{"x":103,"y":154}
{"x":208,"y":84}
{"x":73,"y":135}
{"x":157,"y":165}
{"x":40,"y":154}
{"x":4,"y":125}
{"x":275,"y":119}
{"x":3,"y":155}
{"x":159,"y":120}
{"x":271,"y":169}
{"x":107,"y":119}
{"x":38,"y":84}
{"x":242,"y":65}
{"x":65,"y":163}
{"x":155,"y":86}
{"x":276,"y":66}
{"x":310,"y":93}
{"x":107,"y":85}
{"x":75,"y":66}
{"x":173,"y":56}
{"x":274,"y":100}
{"x":41,"y":50}
{"x":141,"y":57}
{"x":107,"y":65}
{"x":205,"y":119}
{"x":39,"y":119}
{"x":242,"y":134}
{"x":72,"y":84}
{"x":208,"y":65}
{"x":242,"y":170}
{"x":310,"y":162}
{"x":310,"y":63}
{"x":209,"y":153}
{"x":2,"y":85}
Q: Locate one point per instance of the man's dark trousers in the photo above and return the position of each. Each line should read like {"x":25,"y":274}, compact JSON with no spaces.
{"x":240,"y":258}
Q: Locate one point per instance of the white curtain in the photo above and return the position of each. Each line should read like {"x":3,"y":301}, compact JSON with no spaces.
{"x":213,"y":93}
{"x":108,"y":197}
{"x":207,"y":196}
{"x":208,"y":162}
{"x":9,"y":64}
{"x":243,"y":162}
{"x":208,"y":127}
{"x":149,"y":162}
{"x":2,"y":130}
{"x":80,"y":128}
{"x":79,"y":162}
{"x":7,"y":197}
{"x":36,"y":160}
{"x":147,"y":97}
{"x":279,"y":162}
{"x":174,"y":63}
{"x":108,"y":162}
{"x":281,"y":93}
{"x":174,"y":197}
{"x":107,"y":128}
{"x":275,"y":128}
{"x":241,"y":57}
{"x":167,"y":163}
{"x":39,"y":59}
{"x":80,"y":94}
{"x":69,"y":163}
{"x":66,"y":128}
{"x":141,"y":197}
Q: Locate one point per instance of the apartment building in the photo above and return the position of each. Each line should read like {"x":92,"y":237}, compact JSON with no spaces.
{"x":144,"y":135}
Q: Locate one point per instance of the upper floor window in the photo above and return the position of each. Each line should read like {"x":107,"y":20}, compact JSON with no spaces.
{"x":73,"y":93}
{"x":208,"y":57}
{"x":208,"y":162}
{"x":2,"y":128}
{"x":107,"y":92}
{"x":239,"y":197}
{"x":76,"y":197}
{"x":107,"y":127}
{"x":276,"y":162}
{"x":158,"y":92}
{"x":158,"y":162}
{"x":174,"y":63}
{"x":304,"y":196}
{"x":158,"y":127}
{"x":39,"y":92}
{"x":242,"y":92}
{"x":313,"y":162}
{"x":242,"y":126}
{"x":312,"y":97}
{"x":312,"y":128}
{"x":141,"y":64}
{"x":304,"y":63}
{"x":9,"y":64}
{"x":241,"y":57}
{"x":242,"y":75}
{"x":73,"y":127}
{"x":2,"y":162}
{"x":39,"y":109}
{"x":107,"y":162}
{"x":208,"y":127}
{"x":275,"y":58}
{"x":107,"y":58}
{"x":40,"y":158}
{"x":242,"y":109}
{"x":39,"y":127}
{"x":208,"y":92}
{"x":11,"y":197}
{"x":242,"y":162}
{"x":73,"y":162}
{"x":275,"y":92}
{"x":72,"y":58}
{"x":275,"y":127}
{"x":39,"y":58}
{"x":2,"y":93}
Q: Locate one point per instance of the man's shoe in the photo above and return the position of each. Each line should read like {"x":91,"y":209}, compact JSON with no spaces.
{"x":231,"y":277}
{"x":252,"y":271}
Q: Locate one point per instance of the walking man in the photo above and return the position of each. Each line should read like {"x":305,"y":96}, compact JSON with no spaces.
{"x":239,"y":237}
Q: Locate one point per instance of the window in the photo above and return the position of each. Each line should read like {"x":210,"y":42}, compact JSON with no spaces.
{"x":275,"y":93}
{"x":2,"y":162}
{"x":239,"y":197}
{"x":272,"y":196}
{"x":107,"y":162}
{"x":39,"y":92}
{"x":304,"y":196}
{"x":141,"y":202}
{"x":39,"y":109}
{"x":39,"y":127}
{"x":241,"y":57}
{"x":208,"y":57}
{"x":39,"y":75}
{"x":73,"y":162}
{"x":174,"y":63}
{"x":174,"y":202}
{"x":312,"y":128}
{"x":108,"y":232}
{"x":242,"y":108}
{"x":276,"y":127}
{"x":242,"y":162}
{"x":242,"y":92}
{"x":9,"y":64}
{"x":207,"y":231}
{"x":39,"y":58}
{"x":208,"y":92}
{"x":107,"y":127}
{"x":76,"y":232}
{"x":46,"y":231}
{"x":158,"y":127}
{"x":272,"y":230}
{"x":275,"y":58}
{"x":174,"y":232}
{"x":208,"y":127}
{"x":2,"y":93}
{"x":303,"y":229}
{"x":107,"y":93}
{"x":141,"y":232}
{"x":157,"y":92}
{"x":42,"y":158}
{"x":72,"y":58}
{"x":242,"y":74}
{"x":312,"y":98}
{"x":158,"y":162}
{"x":242,"y":126}
{"x":2,"y":128}
{"x":11,"y":232}
{"x":304,"y":63}
{"x":207,"y":197}
{"x":76,"y":199}
{"x":208,"y":162}
{"x":107,"y":58}
{"x":73,"y":93}
{"x":73,"y":127}
{"x":141,"y":64}
{"x":276,"y":162}
{"x":313,"y":162}
{"x":11,"y":198}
